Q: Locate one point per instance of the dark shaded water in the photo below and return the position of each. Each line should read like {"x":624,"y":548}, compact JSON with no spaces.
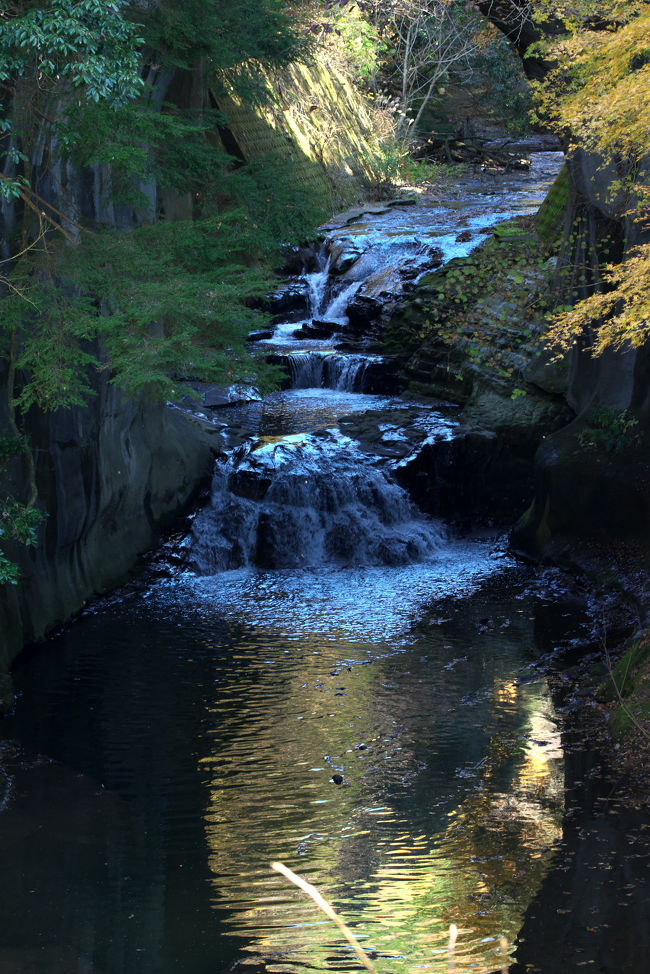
{"x":194,"y":734}
{"x":170,"y":745}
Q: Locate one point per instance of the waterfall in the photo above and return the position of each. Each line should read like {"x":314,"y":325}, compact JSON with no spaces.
{"x":324,"y":370}
{"x":336,"y":309}
{"x":306,"y":501}
{"x":318,"y":283}
{"x":350,"y":371}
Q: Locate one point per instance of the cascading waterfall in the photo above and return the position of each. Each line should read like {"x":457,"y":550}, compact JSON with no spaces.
{"x":306,"y":501}
{"x":318,"y":283}
{"x":363,"y":724}
{"x":336,"y":309}
{"x":327,"y":370}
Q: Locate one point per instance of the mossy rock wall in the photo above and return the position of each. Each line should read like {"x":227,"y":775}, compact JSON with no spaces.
{"x":313,"y":115}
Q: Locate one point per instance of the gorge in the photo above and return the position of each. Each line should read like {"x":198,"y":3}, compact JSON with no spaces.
{"x":338,"y":657}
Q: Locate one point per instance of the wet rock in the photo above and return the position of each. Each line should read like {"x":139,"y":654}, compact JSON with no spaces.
{"x":585,"y":497}
{"x":383,"y":378}
{"x":412,"y":269}
{"x":492,"y":405}
{"x":344,"y":253}
{"x":249,"y":482}
{"x":299,"y":260}
{"x":364,"y":311}
{"x":216,"y":396}
{"x":260,"y":335}
{"x":318,"y":329}
{"x":307,"y":500}
{"x":291,"y":298}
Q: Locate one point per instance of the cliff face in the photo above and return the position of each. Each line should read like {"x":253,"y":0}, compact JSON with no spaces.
{"x":109,"y":474}
{"x":592,"y":477}
{"x":592,"y":493}
{"x":108,"y":477}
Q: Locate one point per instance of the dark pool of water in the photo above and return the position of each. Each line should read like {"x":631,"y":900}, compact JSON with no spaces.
{"x":165,"y":750}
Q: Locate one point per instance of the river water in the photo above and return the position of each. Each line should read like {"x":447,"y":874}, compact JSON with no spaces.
{"x":321,"y":676}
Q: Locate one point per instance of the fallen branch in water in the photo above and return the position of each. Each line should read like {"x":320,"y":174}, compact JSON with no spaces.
{"x":322,"y":904}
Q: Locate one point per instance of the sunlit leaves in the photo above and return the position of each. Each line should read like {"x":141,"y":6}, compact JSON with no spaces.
{"x":600,"y":92}
{"x":599,"y":95}
{"x":621,"y":315}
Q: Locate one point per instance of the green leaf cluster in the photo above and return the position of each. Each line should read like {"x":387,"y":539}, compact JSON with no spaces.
{"x":168,"y":301}
{"x":18,"y":522}
{"x":610,"y":431}
{"x":228,"y":34}
{"x":87,"y":42}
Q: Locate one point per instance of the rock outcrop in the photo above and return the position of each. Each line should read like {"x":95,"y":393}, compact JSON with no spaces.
{"x":108,"y":477}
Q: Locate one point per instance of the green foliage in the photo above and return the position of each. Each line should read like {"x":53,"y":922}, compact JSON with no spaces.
{"x":228,"y":34}
{"x":507,"y":91}
{"x":282,"y":208}
{"x":10,"y":447}
{"x":18,"y":522}
{"x":172,"y":306}
{"x":360,"y":39}
{"x":160,"y":303}
{"x":610,"y":431}
{"x":419,"y":172}
{"x":147,"y":308}
{"x":171,"y":146}
{"x":597,"y":93}
{"x":62,"y":45}
{"x":385,"y":164}
{"x":87,"y":42}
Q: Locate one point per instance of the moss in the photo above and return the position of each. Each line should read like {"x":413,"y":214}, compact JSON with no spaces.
{"x":513,"y":232}
{"x":627,"y":692}
{"x":549,"y":221}
{"x":629,"y":673}
{"x":483,"y":312}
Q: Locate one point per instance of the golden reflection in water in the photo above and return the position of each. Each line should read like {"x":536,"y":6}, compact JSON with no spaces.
{"x":296,"y":716}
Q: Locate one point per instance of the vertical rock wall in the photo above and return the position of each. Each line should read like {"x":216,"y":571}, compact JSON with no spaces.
{"x":108,"y":478}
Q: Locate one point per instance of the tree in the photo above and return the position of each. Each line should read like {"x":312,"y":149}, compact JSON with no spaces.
{"x":80,"y":45}
{"x":598,"y":98}
{"x":161,"y":301}
{"x":84,"y":46}
{"x":427,"y":40}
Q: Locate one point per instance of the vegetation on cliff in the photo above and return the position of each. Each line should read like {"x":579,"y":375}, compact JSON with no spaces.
{"x":597,"y":95}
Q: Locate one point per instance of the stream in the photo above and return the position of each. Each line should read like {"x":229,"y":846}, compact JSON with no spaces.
{"x":321,"y":675}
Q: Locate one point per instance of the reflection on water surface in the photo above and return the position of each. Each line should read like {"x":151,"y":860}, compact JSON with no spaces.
{"x":451,"y":796}
{"x":197,"y":731}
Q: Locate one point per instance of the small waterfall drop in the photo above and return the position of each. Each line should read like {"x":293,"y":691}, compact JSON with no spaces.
{"x":318,"y":283}
{"x":307,"y":501}
{"x":325,"y":370}
{"x":336,"y":309}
